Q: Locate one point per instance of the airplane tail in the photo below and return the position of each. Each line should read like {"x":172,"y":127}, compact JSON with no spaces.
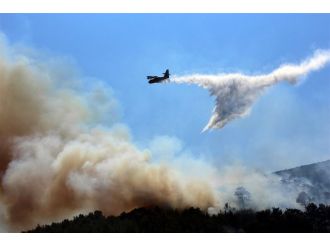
{"x":166,"y":74}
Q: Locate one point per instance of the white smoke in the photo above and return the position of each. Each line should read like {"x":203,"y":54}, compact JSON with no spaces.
{"x":266,"y":189}
{"x":235,"y":93}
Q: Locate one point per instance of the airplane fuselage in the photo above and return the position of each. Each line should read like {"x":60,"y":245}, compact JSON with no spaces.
{"x":159,"y":79}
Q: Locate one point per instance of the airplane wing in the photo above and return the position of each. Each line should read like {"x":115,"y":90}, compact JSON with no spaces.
{"x":151,"y":77}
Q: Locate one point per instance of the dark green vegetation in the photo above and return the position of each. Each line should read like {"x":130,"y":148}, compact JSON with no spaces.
{"x":313,"y":219}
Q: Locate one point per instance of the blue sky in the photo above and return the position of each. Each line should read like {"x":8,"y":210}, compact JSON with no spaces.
{"x":288,"y":126}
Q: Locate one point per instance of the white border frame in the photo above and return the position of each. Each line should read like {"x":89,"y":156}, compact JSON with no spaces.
{"x":165,"y":6}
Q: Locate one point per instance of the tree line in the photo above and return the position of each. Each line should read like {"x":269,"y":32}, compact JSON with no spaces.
{"x":155,"y":219}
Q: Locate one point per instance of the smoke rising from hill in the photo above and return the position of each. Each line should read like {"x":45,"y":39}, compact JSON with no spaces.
{"x":235,"y":93}
{"x":56,"y":160}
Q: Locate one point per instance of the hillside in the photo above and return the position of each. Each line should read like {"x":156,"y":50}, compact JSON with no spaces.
{"x":313,"y":182}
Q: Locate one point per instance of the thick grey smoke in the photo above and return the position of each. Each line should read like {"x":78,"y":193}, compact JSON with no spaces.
{"x":236,"y":93}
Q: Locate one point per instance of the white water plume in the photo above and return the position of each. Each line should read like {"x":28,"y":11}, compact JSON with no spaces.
{"x":235,"y":93}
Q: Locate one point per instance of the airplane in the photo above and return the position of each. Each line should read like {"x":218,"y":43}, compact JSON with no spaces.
{"x":159,"y":79}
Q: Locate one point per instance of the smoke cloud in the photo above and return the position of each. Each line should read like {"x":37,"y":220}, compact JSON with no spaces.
{"x":235,"y":93}
{"x":57,"y":159}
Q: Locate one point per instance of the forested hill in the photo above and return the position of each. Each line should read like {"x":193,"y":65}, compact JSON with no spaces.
{"x":312,"y":180}
{"x":316,"y":173}
{"x":313,"y":219}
